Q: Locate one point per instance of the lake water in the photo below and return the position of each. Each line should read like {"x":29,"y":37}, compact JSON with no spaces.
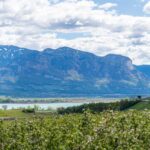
{"x":41,"y":105}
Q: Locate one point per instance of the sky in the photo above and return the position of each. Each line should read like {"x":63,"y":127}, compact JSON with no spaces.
{"x":97,"y":26}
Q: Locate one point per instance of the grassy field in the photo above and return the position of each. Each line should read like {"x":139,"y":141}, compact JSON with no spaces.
{"x":141,"y":106}
{"x":18,"y":113}
{"x":13,"y":113}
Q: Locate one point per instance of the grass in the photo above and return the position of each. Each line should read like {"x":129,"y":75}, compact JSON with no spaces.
{"x":14,"y":113}
{"x":17,"y":113}
{"x":141,"y":106}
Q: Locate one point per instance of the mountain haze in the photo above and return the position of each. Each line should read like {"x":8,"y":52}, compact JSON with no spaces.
{"x":68,"y":72}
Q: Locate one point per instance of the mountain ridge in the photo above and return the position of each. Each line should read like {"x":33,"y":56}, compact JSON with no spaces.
{"x":67,"y":72}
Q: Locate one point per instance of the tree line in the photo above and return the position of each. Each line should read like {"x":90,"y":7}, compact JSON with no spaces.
{"x":100,"y":107}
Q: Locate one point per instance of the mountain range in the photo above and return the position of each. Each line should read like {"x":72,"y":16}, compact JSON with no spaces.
{"x":67,"y":72}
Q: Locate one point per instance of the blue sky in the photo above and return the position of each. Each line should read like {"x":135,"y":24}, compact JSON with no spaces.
{"x":130,"y":7}
{"x":97,"y":26}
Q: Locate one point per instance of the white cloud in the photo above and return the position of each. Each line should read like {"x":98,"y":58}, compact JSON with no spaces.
{"x":146,"y":8}
{"x":36,"y":24}
{"x":143,"y":1}
{"x":108,"y":6}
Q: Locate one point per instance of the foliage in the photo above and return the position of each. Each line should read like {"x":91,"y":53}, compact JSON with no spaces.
{"x":142,"y":105}
{"x":107,"y":130}
{"x":5,"y":100}
{"x":31,"y":100}
{"x":125,"y":104}
{"x":99,"y":107}
{"x":28,"y":110}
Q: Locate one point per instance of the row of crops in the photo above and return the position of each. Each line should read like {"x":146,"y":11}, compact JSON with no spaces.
{"x":109,"y":130}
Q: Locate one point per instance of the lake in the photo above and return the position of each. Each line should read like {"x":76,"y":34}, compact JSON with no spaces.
{"x":41,"y":105}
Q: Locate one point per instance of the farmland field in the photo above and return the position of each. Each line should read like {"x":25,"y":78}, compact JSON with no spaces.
{"x":87,"y":131}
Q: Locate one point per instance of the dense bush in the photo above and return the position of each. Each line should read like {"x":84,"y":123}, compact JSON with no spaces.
{"x":125,"y":104}
{"x":99,"y":107}
{"x":108,"y":130}
{"x":28,"y":110}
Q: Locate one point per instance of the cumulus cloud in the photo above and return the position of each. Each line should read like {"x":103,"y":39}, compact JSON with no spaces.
{"x":37,"y":24}
{"x":146,"y":8}
{"x":108,"y":6}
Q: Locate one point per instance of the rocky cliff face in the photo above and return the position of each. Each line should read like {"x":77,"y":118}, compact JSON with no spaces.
{"x":67,"y":72}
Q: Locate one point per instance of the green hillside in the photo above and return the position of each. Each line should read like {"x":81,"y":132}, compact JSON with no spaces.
{"x":141,"y":106}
